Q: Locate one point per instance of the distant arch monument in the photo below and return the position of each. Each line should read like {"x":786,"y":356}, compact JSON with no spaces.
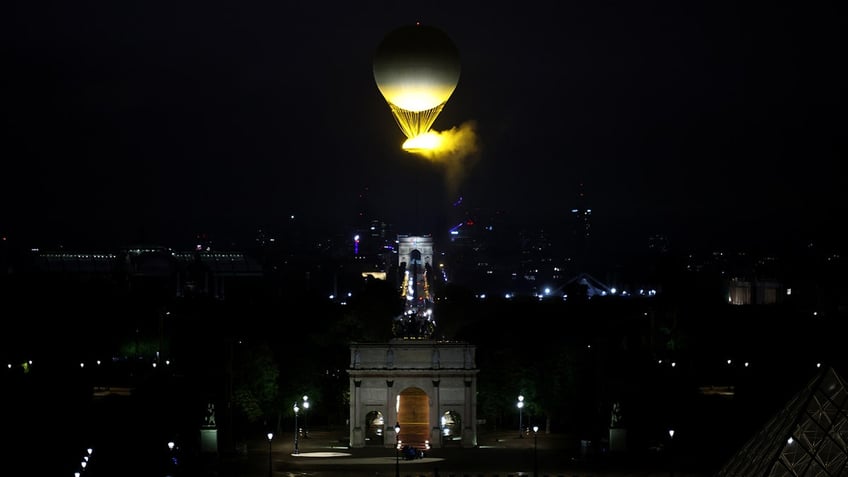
{"x":428,"y":387}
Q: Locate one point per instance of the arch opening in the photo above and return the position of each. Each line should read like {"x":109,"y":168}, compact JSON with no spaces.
{"x":450,"y":426}
{"x":374,"y":428}
{"x":414,"y":418}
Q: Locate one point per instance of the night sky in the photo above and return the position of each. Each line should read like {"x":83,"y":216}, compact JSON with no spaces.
{"x":704,"y":121}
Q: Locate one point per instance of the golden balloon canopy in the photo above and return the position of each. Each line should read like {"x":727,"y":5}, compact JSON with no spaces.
{"x":416,"y":69}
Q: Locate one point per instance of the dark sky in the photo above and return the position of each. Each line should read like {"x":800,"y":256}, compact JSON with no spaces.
{"x":699,"y":120}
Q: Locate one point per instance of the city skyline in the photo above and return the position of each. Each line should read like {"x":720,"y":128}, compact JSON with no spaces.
{"x":708,"y":123}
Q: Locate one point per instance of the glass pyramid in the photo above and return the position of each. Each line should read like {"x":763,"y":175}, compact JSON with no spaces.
{"x":807,"y":438}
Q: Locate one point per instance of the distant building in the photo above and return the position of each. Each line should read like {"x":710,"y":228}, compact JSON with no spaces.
{"x":199,"y":272}
{"x":753,"y":292}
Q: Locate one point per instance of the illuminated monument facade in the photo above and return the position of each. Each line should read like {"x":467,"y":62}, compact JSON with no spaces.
{"x":428,"y":387}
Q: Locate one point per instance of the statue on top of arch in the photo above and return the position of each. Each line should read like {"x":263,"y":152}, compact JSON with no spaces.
{"x":413,"y":326}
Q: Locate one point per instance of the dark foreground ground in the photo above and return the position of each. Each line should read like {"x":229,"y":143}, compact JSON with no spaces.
{"x":47,"y":429}
{"x":325,"y":454}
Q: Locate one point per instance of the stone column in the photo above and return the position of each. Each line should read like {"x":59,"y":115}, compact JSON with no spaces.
{"x":436,"y":417}
{"x":468,"y":416}
{"x":391,"y":416}
{"x":357,"y":438}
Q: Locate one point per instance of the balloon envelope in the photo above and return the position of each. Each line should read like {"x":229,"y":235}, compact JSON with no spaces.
{"x":416,"y":69}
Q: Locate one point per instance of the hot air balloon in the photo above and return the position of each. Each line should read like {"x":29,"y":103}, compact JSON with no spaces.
{"x":416,"y":69}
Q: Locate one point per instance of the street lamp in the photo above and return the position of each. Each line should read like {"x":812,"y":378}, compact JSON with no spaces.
{"x":671,"y":452}
{"x":535,"y":453}
{"x":520,"y":407}
{"x":397,"y":445}
{"x":305,"y":416}
{"x":296,"y":409}
{"x":270,"y":436}
{"x":172,"y":460}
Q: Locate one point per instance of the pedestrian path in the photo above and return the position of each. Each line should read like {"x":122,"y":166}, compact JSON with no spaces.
{"x":326,"y":454}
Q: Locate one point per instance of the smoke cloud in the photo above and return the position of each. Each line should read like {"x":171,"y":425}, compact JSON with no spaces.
{"x":458,"y":152}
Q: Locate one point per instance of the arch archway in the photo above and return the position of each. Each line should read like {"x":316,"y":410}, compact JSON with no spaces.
{"x":374,"y":428}
{"x":413,"y":409}
{"x":450,"y":425}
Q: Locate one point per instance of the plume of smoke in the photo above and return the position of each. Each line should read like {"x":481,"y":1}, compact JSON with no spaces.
{"x":458,"y":152}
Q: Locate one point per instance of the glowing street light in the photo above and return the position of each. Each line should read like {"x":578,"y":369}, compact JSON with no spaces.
{"x":172,"y":460}
{"x":270,"y":436}
{"x":305,"y":416}
{"x":671,"y":452}
{"x":397,"y":445}
{"x":296,"y":409}
{"x":535,"y":453}
{"x":520,"y":406}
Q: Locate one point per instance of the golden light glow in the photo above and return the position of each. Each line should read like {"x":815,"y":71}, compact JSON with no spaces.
{"x":418,"y":94}
{"x":375,"y":275}
{"x":423,"y":142}
{"x":449,"y":146}
{"x":415,"y":123}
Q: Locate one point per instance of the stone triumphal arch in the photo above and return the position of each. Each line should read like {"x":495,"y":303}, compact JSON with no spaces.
{"x":426,"y":387}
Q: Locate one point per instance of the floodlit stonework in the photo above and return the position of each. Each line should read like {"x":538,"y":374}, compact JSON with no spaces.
{"x":427,"y":387}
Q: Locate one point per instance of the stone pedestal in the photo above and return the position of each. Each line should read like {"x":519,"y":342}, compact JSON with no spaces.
{"x":209,"y":440}
{"x":435,"y":437}
{"x":358,"y":438}
{"x":617,"y":439}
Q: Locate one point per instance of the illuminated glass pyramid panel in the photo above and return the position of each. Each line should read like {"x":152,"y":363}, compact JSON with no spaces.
{"x":808,"y":437}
